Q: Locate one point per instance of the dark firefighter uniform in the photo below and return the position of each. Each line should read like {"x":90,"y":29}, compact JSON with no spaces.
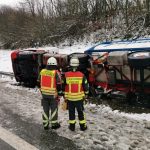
{"x":50,"y":83}
{"x":76,"y":86}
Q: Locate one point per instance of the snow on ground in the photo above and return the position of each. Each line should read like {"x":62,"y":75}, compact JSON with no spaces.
{"x":75,"y":48}
{"x":5,"y":61}
{"x":107,"y":129}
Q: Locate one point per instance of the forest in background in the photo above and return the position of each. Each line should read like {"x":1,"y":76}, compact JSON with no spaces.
{"x":42,"y":22}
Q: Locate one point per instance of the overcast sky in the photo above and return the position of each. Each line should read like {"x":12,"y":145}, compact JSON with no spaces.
{"x":10,"y":2}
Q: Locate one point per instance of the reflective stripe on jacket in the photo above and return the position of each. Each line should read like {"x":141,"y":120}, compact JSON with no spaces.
{"x":74,"y":89}
{"x":48,"y":82}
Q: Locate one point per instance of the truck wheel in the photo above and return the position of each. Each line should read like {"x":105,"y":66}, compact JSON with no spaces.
{"x":139,"y":59}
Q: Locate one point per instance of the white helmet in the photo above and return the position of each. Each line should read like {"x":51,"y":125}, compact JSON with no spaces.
{"x":52,"y":61}
{"x":74,"y":62}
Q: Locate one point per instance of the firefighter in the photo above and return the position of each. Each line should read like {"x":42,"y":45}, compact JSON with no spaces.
{"x":50,"y":87}
{"x":75,"y":88}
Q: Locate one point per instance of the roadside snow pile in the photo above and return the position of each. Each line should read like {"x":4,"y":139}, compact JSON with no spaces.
{"x":107,"y":129}
{"x":5,"y":61}
{"x":107,"y":109}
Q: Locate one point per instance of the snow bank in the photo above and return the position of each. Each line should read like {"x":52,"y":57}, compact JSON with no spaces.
{"x":5,"y":61}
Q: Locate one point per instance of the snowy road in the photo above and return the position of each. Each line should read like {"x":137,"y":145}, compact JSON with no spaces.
{"x":20,"y":113}
{"x":18,"y":109}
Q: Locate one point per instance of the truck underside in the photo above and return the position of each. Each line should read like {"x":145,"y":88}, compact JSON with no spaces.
{"x":112,"y":73}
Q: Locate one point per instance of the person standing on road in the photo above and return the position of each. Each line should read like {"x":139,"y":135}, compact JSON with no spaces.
{"x":50,"y":87}
{"x":75,"y":89}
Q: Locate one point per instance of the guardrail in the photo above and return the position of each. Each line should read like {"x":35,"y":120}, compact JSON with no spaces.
{"x":7,"y":74}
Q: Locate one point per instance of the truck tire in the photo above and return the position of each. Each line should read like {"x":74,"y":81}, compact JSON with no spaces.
{"x":139,"y":59}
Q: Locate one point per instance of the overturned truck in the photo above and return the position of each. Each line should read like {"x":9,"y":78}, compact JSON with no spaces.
{"x":118,"y":69}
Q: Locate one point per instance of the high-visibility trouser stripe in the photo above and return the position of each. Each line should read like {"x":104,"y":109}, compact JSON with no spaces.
{"x":72,"y":121}
{"x":54,"y":113}
{"x":45,"y":120}
{"x":83,"y":121}
{"x":86,"y":92}
{"x":85,"y":81}
{"x":54,"y":121}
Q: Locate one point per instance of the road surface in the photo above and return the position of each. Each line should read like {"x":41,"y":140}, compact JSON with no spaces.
{"x":24,"y":133}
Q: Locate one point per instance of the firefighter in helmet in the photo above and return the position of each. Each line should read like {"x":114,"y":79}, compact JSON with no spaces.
{"x":50,"y":87}
{"x":75,"y":88}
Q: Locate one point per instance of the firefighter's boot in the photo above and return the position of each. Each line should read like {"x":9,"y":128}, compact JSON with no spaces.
{"x":83,"y":127}
{"x":56,"y":126}
{"x":72,"y":126}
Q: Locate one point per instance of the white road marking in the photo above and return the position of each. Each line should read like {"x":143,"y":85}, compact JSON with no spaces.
{"x":15,"y":141}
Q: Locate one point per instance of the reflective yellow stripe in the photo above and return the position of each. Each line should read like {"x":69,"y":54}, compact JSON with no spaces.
{"x":74,"y":80}
{"x":86,"y":92}
{"x":79,"y":88}
{"x":72,"y":121}
{"x":43,"y":89}
{"x":48,"y":93}
{"x":45,"y":120}
{"x":47,"y":88}
{"x":52,"y":82}
{"x":74,"y":98}
{"x":45,"y":116}
{"x":55,"y":121}
{"x":54,"y":113}
{"x":48,"y":73}
{"x":85,"y":81}
{"x":82,"y":122}
{"x":74,"y":94}
{"x":45,"y":125}
{"x":69,"y":88}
